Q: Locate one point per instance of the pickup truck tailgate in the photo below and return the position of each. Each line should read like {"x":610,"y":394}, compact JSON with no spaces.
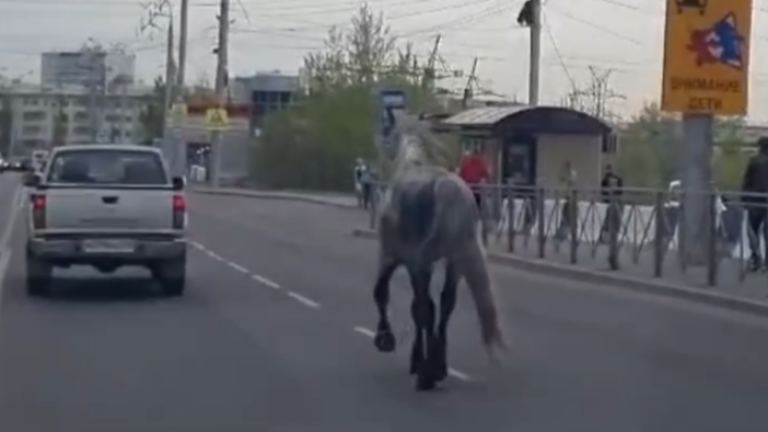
{"x":109,"y":209}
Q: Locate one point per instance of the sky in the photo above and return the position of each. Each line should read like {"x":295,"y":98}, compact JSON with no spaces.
{"x":621,"y":37}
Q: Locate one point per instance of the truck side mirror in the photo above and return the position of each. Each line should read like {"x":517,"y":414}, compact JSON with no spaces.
{"x":178,"y":183}
{"x":31,"y":179}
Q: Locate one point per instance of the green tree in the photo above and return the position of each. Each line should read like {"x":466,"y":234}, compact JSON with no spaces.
{"x":314,"y":144}
{"x":650,"y":148}
{"x":652,"y":145}
{"x":152,"y":116}
{"x":730,"y":159}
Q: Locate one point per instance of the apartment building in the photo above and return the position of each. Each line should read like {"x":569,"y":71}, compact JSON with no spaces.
{"x":69,"y":68}
{"x":265,"y":92}
{"x":42,"y":116}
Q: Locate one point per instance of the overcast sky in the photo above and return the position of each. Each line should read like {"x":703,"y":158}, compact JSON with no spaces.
{"x":622,"y":36}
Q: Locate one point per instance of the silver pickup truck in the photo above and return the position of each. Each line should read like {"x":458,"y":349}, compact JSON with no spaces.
{"x":106,"y":206}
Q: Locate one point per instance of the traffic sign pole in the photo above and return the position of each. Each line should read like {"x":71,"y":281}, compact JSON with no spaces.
{"x":706,"y":66}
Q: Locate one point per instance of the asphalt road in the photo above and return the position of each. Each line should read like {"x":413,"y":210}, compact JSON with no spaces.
{"x":272,"y":336}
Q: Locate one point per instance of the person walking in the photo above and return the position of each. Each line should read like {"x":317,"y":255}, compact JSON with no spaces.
{"x":755,"y":202}
{"x":358,"y":171}
{"x":474,"y":171}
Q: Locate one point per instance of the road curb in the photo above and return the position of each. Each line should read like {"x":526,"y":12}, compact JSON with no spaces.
{"x":699,"y":295}
{"x":276,"y":196}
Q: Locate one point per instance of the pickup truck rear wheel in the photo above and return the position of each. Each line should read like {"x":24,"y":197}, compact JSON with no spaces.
{"x":39,"y":277}
{"x":172,"y":276}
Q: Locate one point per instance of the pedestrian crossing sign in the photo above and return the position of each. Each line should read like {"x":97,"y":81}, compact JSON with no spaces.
{"x":216,"y":119}
{"x":178,"y":110}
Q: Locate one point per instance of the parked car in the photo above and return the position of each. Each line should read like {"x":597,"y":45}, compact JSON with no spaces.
{"x":106,"y":207}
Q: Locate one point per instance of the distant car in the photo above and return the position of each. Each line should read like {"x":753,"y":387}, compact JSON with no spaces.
{"x":106,"y":206}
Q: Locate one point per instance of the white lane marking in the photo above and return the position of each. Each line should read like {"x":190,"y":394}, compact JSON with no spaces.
{"x":304,"y":300}
{"x":198,"y":246}
{"x":19,"y":198}
{"x":238,"y":267}
{"x":459,"y":375}
{"x":299,"y":298}
{"x":5,"y":239}
{"x":451,"y":371}
{"x":265,"y":281}
{"x":5,"y":260}
{"x":364,"y":331}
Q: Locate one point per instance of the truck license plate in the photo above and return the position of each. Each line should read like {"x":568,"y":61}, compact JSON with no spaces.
{"x":109,"y":246}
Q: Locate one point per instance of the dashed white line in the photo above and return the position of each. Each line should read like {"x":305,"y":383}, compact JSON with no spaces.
{"x":364,"y":331}
{"x":264,"y":281}
{"x":274,"y":285}
{"x":451,"y":371}
{"x":303,"y":300}
{"x":238,"y":267}
{"x":458,"y":375}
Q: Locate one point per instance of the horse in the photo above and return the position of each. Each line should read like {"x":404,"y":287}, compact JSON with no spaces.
{"x":428,"y":215}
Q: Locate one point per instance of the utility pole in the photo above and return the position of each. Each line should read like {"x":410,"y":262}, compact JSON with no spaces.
{"x":169,"y":77}
{"x":183,"y":38}
{"x":168,"y":143}
{"x":222,"y":52}
{"x":534,"y":68}
{"x":530,"y":16}
{"x":601,"y":92}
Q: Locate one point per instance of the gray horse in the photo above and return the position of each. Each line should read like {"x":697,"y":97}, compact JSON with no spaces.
{"x":428,"y":215}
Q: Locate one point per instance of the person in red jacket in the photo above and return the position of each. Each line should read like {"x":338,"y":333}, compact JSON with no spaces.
{"x":474,"y":170}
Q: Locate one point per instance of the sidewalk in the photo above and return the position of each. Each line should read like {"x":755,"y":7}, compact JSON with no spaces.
{"x":732,"y":278}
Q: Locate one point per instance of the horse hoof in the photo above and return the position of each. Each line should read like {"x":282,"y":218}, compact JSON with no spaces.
{"x":384,"y":341}
{"x":441,"y":373}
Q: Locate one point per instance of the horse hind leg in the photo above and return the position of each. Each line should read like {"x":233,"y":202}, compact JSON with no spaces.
{"x":384,"y":340}
{"x":439,"y":353}
{"x":423,"y":312}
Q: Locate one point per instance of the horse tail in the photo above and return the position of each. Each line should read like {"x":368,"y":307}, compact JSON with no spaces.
{"x":475,"y":271}
{"x":470,"y":255}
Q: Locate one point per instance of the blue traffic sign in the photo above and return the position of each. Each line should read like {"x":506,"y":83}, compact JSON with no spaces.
{"x":389,"y":100}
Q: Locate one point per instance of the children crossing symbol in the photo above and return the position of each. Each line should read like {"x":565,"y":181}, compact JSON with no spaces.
{"x":216,"y":119}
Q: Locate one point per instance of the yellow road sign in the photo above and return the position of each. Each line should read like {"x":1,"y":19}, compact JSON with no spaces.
{"x":706,"y":56}
{"x":179,"y":110}
{"x":216,"y":119}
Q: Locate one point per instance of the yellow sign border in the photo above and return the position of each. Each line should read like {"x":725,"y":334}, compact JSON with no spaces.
{"x":719,"y":89}
{"x":209,"y":113}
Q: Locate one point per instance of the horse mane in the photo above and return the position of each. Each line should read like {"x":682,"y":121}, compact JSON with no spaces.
{"x":416,"y":144}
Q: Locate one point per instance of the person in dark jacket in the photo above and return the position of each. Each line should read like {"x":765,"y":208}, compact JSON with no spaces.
{"x":755,"y":201}
{"x":611,"y":190}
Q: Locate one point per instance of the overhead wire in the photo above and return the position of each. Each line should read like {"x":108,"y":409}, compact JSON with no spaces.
{"x":556,"y":48}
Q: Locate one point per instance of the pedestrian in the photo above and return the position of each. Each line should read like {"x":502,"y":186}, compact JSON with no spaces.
{"x":611,"y":190}
{"x":568,"y":177}
{"x":755,"y":202}
{"x":357,"y":174}
{"x":368,"y":181}
{"x":474,"y":171}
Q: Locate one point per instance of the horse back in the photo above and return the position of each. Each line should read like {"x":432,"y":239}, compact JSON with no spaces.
{"x":417,"y":204}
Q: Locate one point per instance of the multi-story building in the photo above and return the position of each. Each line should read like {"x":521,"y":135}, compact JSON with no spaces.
{"x":265,"y":92}
{"x":41,"y":116}
{"x":87,"y":67}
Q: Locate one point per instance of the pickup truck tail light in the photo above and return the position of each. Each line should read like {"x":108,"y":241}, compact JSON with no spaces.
{"x":179,"y":211}
{"x":38,"y":211}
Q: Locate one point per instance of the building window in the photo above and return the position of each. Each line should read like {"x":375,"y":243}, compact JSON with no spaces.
{"x":34,"y":116}
{"x":31,"y":130}
{"x":81,"y":130}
